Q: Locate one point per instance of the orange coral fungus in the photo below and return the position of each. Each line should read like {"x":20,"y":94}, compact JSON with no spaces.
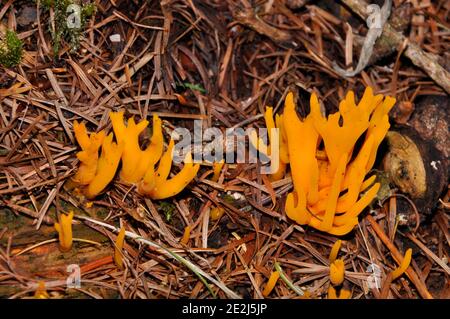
{"x":330,"y":179}
{"x":135,"y":162}
{"x":156,"y":184}
{"x":95,"y":172}
{"x":330,"y":184}
{"x":138,"y":166}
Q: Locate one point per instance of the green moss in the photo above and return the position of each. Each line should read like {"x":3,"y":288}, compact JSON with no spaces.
{"x":168,"y":209}
{"x":228,"y":199}
{"x":10,"y":220}
{"x":385,"y":190}
{"x":62,"y":32}
{"x":88,"y":10}
{"x":193,"y":87}
{"x":11,"y":50}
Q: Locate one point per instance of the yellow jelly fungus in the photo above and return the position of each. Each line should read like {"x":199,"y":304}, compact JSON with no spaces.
{"x":95,"y":172}
{"x":135,"y":162}
{"x":335,"y":251}
{"x":106,"y":167}
{"x":271,"y":283}
{"x":17,"y":88}
{"x":64,"y":229}
{"x":337,"y":272}
{"x":148,"y":182}
{"x":403,"y":265}
{"x":330,"y":184}
{"x":378,"y":127}
{"x":343,"y":294}
{"x":187,"y":233}
{"x":216,"y":213}
{"x":118,"y":258}
{"x":41,"y":292}
{"x":217,"y":169}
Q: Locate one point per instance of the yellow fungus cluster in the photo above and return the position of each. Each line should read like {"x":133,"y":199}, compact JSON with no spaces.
{"x":327,"y":171}
{"x":95,"y":172}
{"x":138,"y":166}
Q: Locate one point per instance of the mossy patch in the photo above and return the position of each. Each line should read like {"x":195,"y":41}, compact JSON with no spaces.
{"x":71,"y":17}
{"x":11,"y":50}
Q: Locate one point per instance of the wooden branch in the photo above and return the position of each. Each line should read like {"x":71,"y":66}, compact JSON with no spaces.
{"x":425,"y":61}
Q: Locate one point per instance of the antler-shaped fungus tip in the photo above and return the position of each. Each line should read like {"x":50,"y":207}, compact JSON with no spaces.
{"x":88,"y":157}
{"x":106,"y":166}
{"x":64,"y":229}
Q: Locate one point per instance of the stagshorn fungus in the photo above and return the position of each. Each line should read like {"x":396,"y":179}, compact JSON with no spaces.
{"x":330,"y":184}
{"x":138,"y":166}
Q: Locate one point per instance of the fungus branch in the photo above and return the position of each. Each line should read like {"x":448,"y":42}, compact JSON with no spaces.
{"x":328,"y":182}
